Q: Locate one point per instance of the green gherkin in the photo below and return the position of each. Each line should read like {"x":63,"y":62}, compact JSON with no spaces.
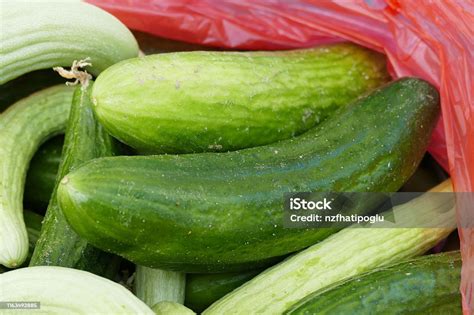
{"x":212,"y":212}
{"x":222,"y":101}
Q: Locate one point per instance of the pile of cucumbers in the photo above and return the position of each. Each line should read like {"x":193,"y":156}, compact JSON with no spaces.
{"x":178,"y":163}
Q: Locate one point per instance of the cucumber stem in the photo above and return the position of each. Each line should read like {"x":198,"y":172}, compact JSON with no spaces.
{"x":82,"y":77}
{"x":157,"y":285}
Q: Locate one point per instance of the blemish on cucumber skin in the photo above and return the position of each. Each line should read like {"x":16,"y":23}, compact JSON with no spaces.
{"x":215,"y":146}
{"x":94,"y":101}
{"x":65,"y":180}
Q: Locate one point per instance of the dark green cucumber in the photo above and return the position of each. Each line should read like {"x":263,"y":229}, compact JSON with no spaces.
{"x":426,"y":285}
{"x":204,"y":289}
{"x":42,"y":173}
{"x":346,"y":254}
{"x":33,"y":222}
{"x":219,"y":101}
{"x":58,"y":244}
{"x":216,"y":212}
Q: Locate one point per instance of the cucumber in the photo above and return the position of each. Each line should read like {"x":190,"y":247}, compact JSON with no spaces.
{"x":42,"y":174}
{"x":204,"y":289}
{"x":44,"y":35}
{"x":155,"y":285}
{"x":23,"y":86}
{"x":348,"y":253}
{"x":171,"y":308}
{"x":219,"y":101}
{"x":217,"y":212}
{"x":58,"y":244}
{"x":23,"y":127}
{"x":420,"y":286}
{"x":33,"y":222}
{"x":33,"y":226}
{"x":62,"y":290}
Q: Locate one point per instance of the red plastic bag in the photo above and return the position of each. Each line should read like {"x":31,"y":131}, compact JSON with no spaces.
{"x":431,"y":39}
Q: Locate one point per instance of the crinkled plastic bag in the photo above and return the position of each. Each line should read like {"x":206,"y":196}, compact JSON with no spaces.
{"x":430,"y":39}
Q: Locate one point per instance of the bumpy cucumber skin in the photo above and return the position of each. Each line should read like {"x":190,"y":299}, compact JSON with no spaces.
{"x":42,"y":173}
{"x":216,"y":212}
{"x":23,"y":127}
{"x":204,"y":289}
{"x":346,"y":254}
{"x":58,"y":244}
{"x":221,"y":101}
{"x":419,"y":286}
{"x":44,"y":35}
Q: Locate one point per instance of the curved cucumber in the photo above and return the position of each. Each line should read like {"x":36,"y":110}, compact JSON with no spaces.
{"x":421,"y":286}
{"x":23,"y":127}
{"x":33,"y":223}
{"x":346,"y":254}
{"x":85,"y":139}
{"x":42,"y":174}
{"x":44,"y":35}
{"x":204,"y":289}
{"x":216,"y":212}
{"x":220,"y":101}
{"x":68,"y":291}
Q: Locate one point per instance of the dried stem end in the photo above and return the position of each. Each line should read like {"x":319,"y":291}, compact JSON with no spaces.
{"x":80,"y":76}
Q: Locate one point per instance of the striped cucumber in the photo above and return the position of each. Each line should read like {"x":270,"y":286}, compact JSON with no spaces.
{"x":33,"y":222}
{"x":426,"y":285}
{"x":85,"y":139}
{"x":171,"y":308}
{"x":346,"y":254}
{"x":33,"y":226}
{"x":68,"y":291}
{"x":23,"y":127}
{"x":155,"y":285}
{"x":220,"y":101}
{"x":48,"y":34}
{"x":219,"y":212}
